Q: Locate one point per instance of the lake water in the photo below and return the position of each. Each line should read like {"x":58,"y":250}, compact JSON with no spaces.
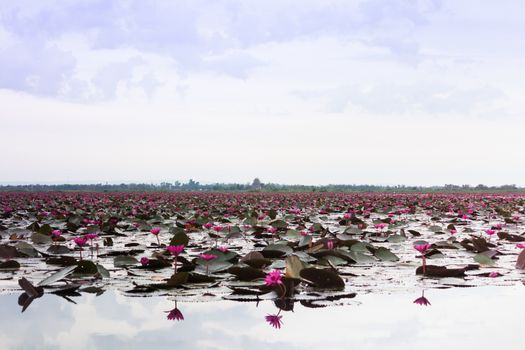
{"x":477,"y":318}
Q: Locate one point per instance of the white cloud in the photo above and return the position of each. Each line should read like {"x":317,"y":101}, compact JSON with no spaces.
{"x":226,"y":91}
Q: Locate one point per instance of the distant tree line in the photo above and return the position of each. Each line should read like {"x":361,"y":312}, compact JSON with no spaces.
{"x":255,"y":186}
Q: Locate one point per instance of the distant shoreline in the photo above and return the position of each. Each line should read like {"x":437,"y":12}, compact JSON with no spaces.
{"x":259,"y":187}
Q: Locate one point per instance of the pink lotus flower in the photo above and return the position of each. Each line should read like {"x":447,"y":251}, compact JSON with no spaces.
{"x":347,"y":216}
{"x":175,"y":314}
{"x":91,"y":236}
{"x":175,"y":249}
{"x":271,"y":229}
{"x":380,"y":226}
{"x":56,"y":233}
{"x":453,"y":231}
{"x":144,"y":261}
{"x":223,"y":249}
{"x":218,"y":228}
{"x":490,"y":232}
{"x":80,"y":241}
{"x":274,"y":320}
{"x":330,"y":245}
{"x":520,"y":245}
{"x":304,"y":233}
{"x":494,"y":274}
{"x":207,"y":257}
{"x":273,"y":278}
{"x":423,"y":248}
{"x":208,"y":225}
{"x":155,"y":231}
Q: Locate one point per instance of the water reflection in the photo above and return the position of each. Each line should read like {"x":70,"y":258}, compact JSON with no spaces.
{"x":175,"y":314}
{"x":422,"y":300}
{"x":30,"y":293}
{"x":274,"y":320}
{"x":115,"y":321}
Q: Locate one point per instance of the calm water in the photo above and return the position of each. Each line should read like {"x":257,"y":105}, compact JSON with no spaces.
{"x":482,"y":318}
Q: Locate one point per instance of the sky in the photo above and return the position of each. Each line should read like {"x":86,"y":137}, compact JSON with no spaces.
{"x":425,"y":92}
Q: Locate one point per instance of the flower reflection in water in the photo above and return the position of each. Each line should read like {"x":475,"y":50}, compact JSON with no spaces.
{"x":175,"y":314}
{"x":274,"y":320}
{"x":422,"y":300}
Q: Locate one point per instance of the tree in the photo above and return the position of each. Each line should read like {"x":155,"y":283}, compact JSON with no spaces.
{"x":256,"y":184}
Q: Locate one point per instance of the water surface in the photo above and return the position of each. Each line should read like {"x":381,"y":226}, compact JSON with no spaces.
{"x":479,"y":318}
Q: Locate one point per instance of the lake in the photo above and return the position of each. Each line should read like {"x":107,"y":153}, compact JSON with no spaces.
{"x":480,"y":317}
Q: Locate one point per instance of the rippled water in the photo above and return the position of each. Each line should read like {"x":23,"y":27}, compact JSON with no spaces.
{"x":482,"y":318}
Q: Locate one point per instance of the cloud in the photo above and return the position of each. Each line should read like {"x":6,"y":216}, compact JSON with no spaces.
{"x":203,"y":35}
{"x":395,"y":98}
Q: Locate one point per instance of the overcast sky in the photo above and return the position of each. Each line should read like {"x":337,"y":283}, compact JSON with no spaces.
{"x":312,"y":92}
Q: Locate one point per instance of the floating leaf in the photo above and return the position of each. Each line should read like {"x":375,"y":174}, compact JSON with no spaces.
{"x":385,"y":254}
{"x":26,"y":249}
{"x":323,"y":278}
{"x":279,"y":224}
{"x":396,"y":239}
{"x":39,"y":238}
{"x":86,"y":267}
{"x":180,"y":238}
{"x":294,"y":265}
{"x":7,"y":252}
{"x":30,"y":289}
{"x":58,"y":249}
{"x":9,"y":265}
{"x":57,"y":276}
{"x":246,"y":273}
{"x":102,"y":271}
{"x":178,"y":279}
{"x":361,"y":258}
{"x":520,"y":263}
{"x":214,"y":267}
{"x":440,"y":271}
{"x":124,"y":260}
{"x":483,"y":259}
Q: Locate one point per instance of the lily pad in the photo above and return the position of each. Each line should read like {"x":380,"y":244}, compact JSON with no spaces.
{"x":57,"y":276}
{"x":323,"y":278}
